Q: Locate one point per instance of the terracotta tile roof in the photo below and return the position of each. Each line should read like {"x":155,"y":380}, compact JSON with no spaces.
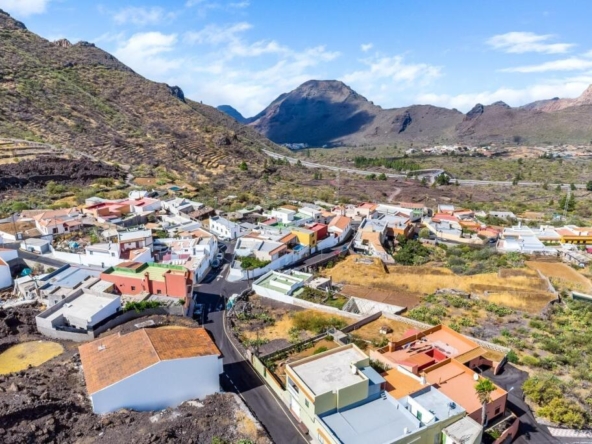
{"x":412,"y":205}
{"x":340,"y":222}
{"x":109,"y":360}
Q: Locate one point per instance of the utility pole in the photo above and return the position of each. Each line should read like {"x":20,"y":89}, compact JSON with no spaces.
{"x":338,"y":183}
{"x":566,"y":203}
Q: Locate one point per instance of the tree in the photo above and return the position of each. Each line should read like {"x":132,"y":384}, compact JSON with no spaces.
{"x":424,"y":233}
{"x":484,"y":387}
{"x":443,"y":179}
{"x":371,"y":176}
{"x":243,"y":166}
{"x":589,"y":185}
{"x":571,"y":203}
{"x":572,"y":186}
{"x":382,"y":176}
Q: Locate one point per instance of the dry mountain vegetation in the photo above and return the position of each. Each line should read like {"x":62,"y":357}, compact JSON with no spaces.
{"x":80,"y":97}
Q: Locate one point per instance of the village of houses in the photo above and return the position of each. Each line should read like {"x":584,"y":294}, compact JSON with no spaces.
{"x":116,"y":260}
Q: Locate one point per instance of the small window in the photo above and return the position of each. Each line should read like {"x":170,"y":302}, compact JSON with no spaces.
{"x":158,"y":291}
{"x":133,"y":288}
{"x":320,"y":438}
{"x":497,"y":410}
{"x":306,"y":403}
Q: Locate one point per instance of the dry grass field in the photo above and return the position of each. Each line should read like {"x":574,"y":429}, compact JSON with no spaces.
{"x":370,"y":331}
{"x":562,"y":276}
{"x":521,"y":289}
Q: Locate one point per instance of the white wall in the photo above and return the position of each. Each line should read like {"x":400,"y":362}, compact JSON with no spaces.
{"x":8,"y":255}
{"x":165,"y":384}
{"x":5,"y":276}
{"x":105,"y":312}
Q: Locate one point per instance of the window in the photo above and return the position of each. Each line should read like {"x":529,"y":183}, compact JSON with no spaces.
{"x":497,"y":410}
{"x":158,"y":291}
{"x":133,"y":288}
{"x":306,"y":403}
{"x":320,"y":437}
{"x":293,"y":386}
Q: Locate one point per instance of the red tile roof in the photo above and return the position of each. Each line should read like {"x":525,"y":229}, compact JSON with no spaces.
{"x":109,"y":360}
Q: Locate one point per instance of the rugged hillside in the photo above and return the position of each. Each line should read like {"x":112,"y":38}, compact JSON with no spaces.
{"x":557,"y":104}
{"x":82,"y":98}
{"x":331,"y":113}
{"x":502,"y":124}
{"x":227,"y":109}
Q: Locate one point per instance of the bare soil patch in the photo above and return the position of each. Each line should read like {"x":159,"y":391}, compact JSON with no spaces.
{"x":562,"y":275}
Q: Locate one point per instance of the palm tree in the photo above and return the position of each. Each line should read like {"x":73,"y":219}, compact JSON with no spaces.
{"x":483,"y":388}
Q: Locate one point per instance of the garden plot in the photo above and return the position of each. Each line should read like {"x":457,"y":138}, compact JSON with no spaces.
{"x":562,"y":276}
{"x":521,"y":289}
{"x":371,"y":331}
{"x":271,"y":325}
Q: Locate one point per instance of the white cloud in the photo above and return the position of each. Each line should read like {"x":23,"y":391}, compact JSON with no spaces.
{"x":565,"y":88}
{"x":571,"y":64}
{"x":142,"y":16}
{"x":392,"y":69}
{"x":240,"y":5}
{"x":215,"y":35}
{"x":365,"y":47}
{"x":24,"y":8}
{"x":522,"y":42}
{"x":144,"y":52}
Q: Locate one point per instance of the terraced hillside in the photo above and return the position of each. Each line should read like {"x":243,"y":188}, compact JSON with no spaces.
{"x":14,"y":151}
{"x":80,"y":98}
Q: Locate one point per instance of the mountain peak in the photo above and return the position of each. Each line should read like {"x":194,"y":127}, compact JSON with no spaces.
{"x":6,"y":21}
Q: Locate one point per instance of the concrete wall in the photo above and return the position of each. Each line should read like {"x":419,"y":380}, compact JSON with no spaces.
{"x":5,"y":276}
{"x":165,"y":384}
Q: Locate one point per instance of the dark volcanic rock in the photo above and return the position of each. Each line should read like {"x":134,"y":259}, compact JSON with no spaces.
{"x":475,"y":112}
{"x":177,"y":92}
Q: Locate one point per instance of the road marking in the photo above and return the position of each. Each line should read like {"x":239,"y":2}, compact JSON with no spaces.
{"x":273,"y":395}
{"x":570,"y":433}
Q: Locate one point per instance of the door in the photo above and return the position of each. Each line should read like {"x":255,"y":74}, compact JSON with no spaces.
{"x":295,"y":407}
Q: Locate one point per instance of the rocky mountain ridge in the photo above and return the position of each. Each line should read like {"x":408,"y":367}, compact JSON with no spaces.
{"x":328,"y":112}
{"x":81,"y":97}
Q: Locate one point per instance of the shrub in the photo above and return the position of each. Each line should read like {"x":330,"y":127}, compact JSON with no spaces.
{"x":541,"y":389}
{"x":320,"y":350}
{"x":140,"y":306}
{"x":252,"y":263}
{"x":564,"y":412}
{"x":498,"y":310}
{"x":531,"y":361}
{"x":513,"y":357}
{"x":315,"y":322}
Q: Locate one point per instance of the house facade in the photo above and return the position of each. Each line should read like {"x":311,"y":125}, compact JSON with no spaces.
{"x":176,"y":366}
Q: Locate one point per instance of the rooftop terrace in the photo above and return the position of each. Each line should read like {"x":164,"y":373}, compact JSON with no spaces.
{"x":155,"y":272}
{"x":380,"y":421}
{"x":330,"y":371}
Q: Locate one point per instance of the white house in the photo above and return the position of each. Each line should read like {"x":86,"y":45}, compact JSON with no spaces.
{"x":196,"y":250}
{"x":281,"y":286}
{"x":284,"y":215}
{"x":224,"y":228}
{"x":58,"y":221}
{"x":81,"y":310}
{"x":341,"y":227}
{"x":150,"y":369}
{"x":181,"y":205}
{"x":35,"y":245}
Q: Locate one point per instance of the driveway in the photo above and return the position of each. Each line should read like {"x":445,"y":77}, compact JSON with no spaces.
{"x":530,"y":431}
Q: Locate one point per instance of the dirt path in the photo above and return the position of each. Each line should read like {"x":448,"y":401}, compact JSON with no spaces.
{"x":394,"y":194}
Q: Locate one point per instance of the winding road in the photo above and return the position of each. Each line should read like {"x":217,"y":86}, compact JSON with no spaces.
{"x":433,"y":173}
{"x":239,"y":376}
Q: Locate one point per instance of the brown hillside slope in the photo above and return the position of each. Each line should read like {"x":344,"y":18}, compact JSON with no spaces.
{"x":328,"y":112}
{"x":80,"y":97}
{"x":322,"y":112}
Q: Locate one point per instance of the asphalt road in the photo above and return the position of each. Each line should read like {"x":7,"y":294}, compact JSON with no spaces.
{"x":433,"y":172}
{"x":530,"y":431}
{"x":239,"y":377}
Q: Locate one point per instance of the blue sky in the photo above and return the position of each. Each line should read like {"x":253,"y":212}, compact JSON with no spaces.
{"x":247,"y":52}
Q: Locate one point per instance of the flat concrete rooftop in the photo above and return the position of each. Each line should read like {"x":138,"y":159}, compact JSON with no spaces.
{"x":83,"y":307}
{"x":380,"y":421}
{"x":330,"y":372}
